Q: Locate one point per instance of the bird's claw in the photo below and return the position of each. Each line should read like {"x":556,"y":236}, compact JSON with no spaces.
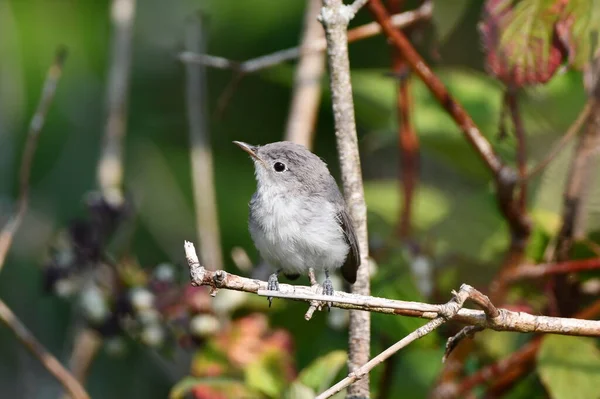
{"x":328,"y":290}
{"x":272,"y":285}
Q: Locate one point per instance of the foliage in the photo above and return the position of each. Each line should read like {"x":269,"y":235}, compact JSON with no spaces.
{"x":238,"y":346}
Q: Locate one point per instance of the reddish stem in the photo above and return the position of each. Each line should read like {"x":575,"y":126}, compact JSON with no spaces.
{"x":513,"y":106}
{"x":435,"y":85}
{"x":536,"y":271}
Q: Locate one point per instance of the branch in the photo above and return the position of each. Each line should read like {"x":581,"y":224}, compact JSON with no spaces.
{"x":315,"y":46}
{"x":35,"y":127}
{"x":335,"y":17}
{"x":37,"y":349}
{"x":516,"y":365}
{"x":503,"y":320}
{"x":435,"y":85}
{"x":505,"y":177}
{"x":307,"y":82}
{"x":543,"y":270}
{"x":408,"y":141}
{"x":207,"y":225}
{"x":362,"y":371}
{"x":513,"y":106}
{"x":110,"y":165}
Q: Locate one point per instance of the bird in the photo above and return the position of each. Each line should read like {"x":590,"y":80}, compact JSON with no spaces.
{"x":298,"y":218}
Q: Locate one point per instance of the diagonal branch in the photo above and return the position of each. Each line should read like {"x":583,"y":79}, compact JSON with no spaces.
{"x":37,"y":349}
{"x":35,"y":128}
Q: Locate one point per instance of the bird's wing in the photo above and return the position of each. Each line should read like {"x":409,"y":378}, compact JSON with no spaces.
{"x":352,"y":262}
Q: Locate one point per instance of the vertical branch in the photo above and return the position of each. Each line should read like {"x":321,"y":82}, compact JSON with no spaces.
{"x":511,"y":100}
{"x":307,"y":82}
{"x":335,"y":17}
{"x":110,"y":165}
{"x":407,"y":138}
{"x":35,"y":128}
{"x":207,"y":224}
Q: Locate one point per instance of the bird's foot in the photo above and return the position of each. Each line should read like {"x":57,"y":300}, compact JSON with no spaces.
{"x":328,"y":290}
{"x":272,"y":285}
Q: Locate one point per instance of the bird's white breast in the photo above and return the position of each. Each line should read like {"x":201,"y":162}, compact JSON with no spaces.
{"x":296,"y":232}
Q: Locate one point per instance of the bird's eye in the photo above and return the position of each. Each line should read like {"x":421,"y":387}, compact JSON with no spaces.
{"x":279,"y":167}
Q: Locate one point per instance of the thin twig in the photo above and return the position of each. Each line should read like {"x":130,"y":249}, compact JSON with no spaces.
{"x":450,"y":310}
{"x":318,"y":45}
{"x":506,"y":320}
{"x":207,"y":225}
{"x":335,"y":17}
{"x":537,"y":271}
{"x":362,"y":371}
{"x":35,"y":127}
{"x":307,"y":82}
{"x":51,"y":364}
{"x":468,"y":331}
{"x":110,"y":165}
{"x":560,"y":144}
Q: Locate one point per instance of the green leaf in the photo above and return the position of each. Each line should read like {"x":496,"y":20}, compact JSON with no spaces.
{"x":299,"y":391}
{"x":266,"y":375}
{"x":229,"y":388}
{"x":581,"y":21}
{"x":320,"y":373}
{"x":529,"y":34}
{"x":569,"y":367}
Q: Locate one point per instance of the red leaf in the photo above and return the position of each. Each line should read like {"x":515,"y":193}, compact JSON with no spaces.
{"x":529,"y":54}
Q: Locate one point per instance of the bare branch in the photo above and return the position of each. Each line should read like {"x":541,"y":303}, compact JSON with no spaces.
{"x":307,"y":82}
{"x":335,"y":17}
{"x":35,"y":127}
{"x":207,"y":225}
{"x":362,"y":371}
{"x":506,"y":320}
{"x":514,"y":366}
{"x":69,"y":382}
{"x":110,"y":165}
{"x":537,"y":271}
{"x":318,"y":45}
{"x":468,"y":331}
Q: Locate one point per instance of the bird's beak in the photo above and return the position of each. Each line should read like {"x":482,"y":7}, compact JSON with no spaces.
{"x":250,"y":149}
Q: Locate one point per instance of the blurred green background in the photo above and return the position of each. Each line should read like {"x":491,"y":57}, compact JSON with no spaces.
{"x":455,"y":216}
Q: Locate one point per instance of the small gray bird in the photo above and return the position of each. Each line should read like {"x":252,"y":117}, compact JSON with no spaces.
{"x":298,"y":217}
